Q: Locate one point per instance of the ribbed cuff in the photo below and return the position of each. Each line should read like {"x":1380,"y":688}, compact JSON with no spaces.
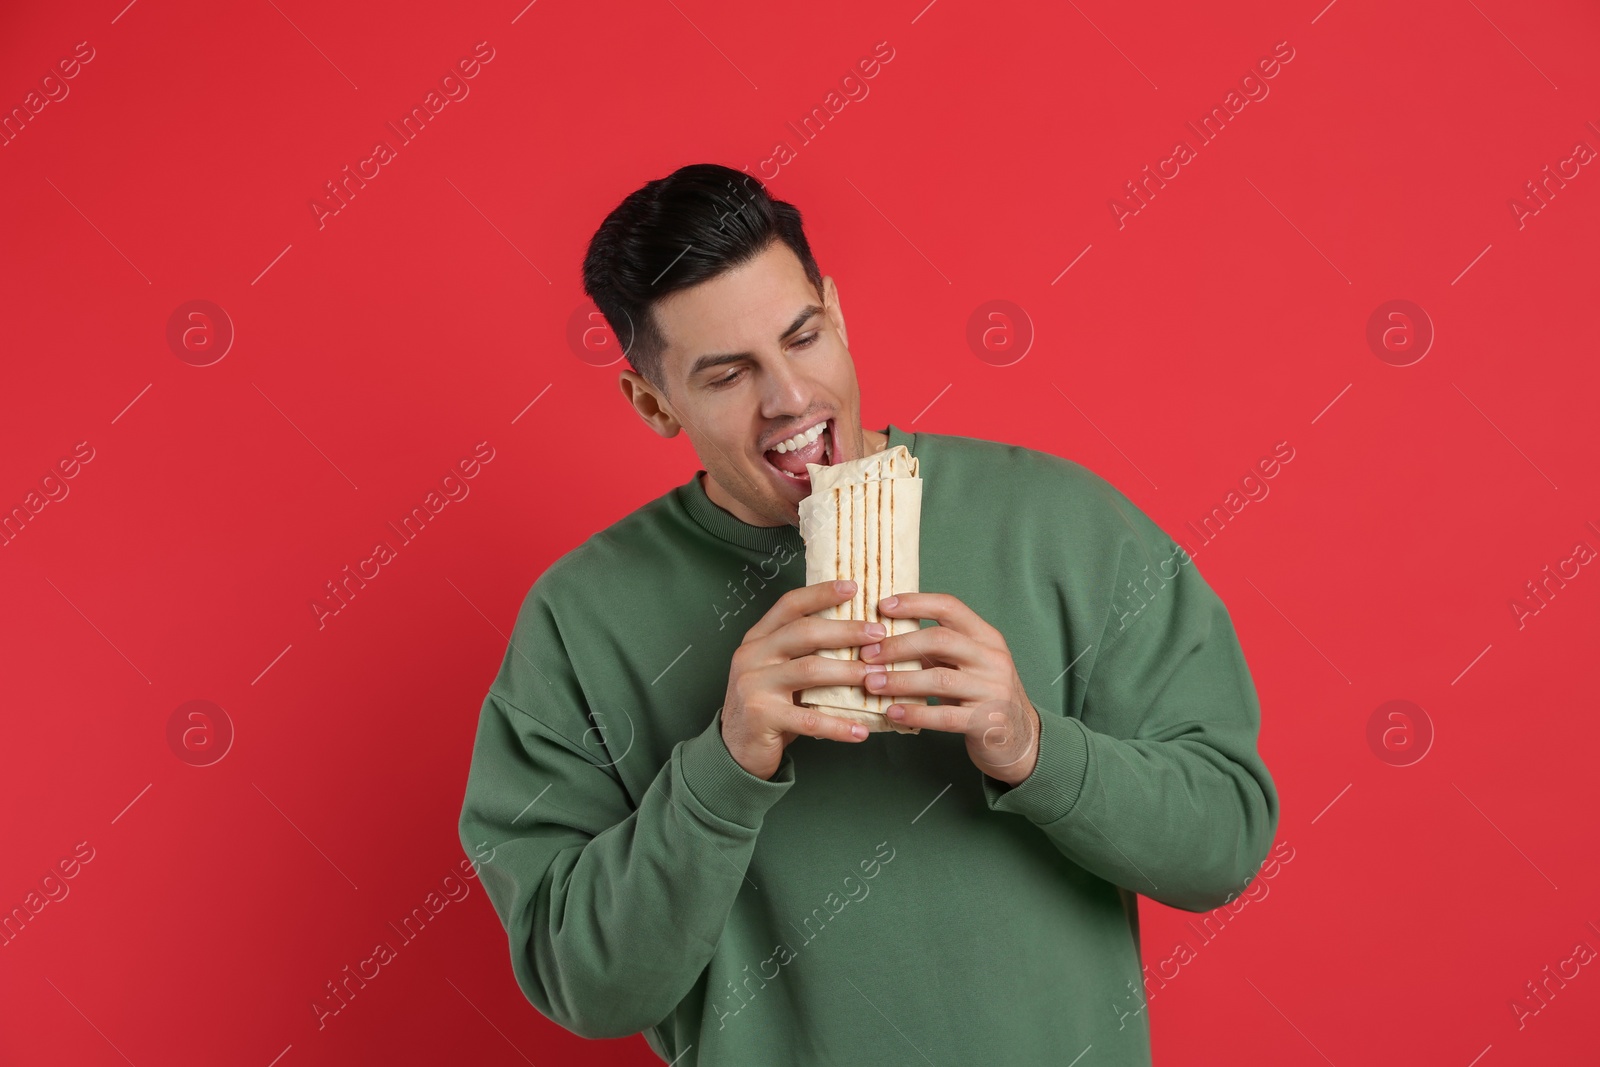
{"x":1051,"y":790}
{"x":725,"y":788}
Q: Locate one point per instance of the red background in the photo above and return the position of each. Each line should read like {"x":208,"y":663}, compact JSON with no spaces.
{"x":375,"y":351}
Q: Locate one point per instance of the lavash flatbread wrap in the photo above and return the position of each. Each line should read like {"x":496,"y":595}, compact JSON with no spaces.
{"x":863,"y":521}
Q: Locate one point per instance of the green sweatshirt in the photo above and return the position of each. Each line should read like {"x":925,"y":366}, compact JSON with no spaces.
{"x":883,"y":902}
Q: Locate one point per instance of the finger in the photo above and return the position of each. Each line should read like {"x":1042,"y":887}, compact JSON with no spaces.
{"x":944,"y":609}
{"x":929,"y":644}
{"x":803,"y":636}
{"x":946,"y":683}
{"x":946,"y":717}
{"x":814,"y":723}
{"x":793,"y":674}
{"x":798,"y":603}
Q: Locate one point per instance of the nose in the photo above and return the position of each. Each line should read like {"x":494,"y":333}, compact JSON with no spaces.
{"x":785,"y":392}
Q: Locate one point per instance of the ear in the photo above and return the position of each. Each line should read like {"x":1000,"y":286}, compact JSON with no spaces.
{"x":830,"y":302}
{"x":650,"y":405}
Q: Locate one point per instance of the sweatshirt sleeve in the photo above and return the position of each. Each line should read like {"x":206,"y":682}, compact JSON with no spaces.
{"x":611,"y":911}
{"x":1156,"y":785}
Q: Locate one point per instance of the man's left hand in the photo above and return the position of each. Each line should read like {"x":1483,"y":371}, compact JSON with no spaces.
{"x":967,"y":665}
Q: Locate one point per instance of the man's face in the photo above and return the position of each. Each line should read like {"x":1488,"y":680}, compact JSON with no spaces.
{"x":754,"y":358}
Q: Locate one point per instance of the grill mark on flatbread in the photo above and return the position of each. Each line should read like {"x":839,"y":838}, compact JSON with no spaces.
{"x":872,"y":560}
{"x":881,"y":473}
{"x":837,"y":520}
{"x":892,"y":583}
{"x":877,"y":552}
{"x":860,"y":558}
{"x":875,"y":564}
{"x":855,"y":568}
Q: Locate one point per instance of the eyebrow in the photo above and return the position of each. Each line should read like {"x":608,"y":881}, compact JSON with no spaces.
{"x":707,"y":362}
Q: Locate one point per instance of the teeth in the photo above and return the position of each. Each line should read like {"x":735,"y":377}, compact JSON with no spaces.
{"x":800,"y":440}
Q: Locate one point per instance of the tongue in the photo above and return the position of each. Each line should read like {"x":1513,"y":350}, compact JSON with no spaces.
{"x":794,"y":461}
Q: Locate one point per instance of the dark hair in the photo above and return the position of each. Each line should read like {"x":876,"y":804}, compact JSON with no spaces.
{"x":676,"y":232}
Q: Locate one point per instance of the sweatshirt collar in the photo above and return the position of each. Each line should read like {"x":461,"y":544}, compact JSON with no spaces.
{"x":725,"y":526}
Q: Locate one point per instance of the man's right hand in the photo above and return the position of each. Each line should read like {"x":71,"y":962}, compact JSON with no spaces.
{"x":776,"y":660}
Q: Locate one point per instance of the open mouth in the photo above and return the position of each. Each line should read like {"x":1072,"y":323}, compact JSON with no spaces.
{"x":815,"y":444}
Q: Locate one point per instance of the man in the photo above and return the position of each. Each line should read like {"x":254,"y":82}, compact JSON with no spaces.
{"x":675,"y":847}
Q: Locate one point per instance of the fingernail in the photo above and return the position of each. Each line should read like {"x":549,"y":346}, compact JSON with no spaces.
{"x":875,"y":668}
{"x":896,"y":711}
{"x":876,"y":629}
{"x":858,"y":731}
{"x":889,"y":602}
{"x":876,"y":679}
{"x":868,"y":651}
{"x":845,"y":586}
